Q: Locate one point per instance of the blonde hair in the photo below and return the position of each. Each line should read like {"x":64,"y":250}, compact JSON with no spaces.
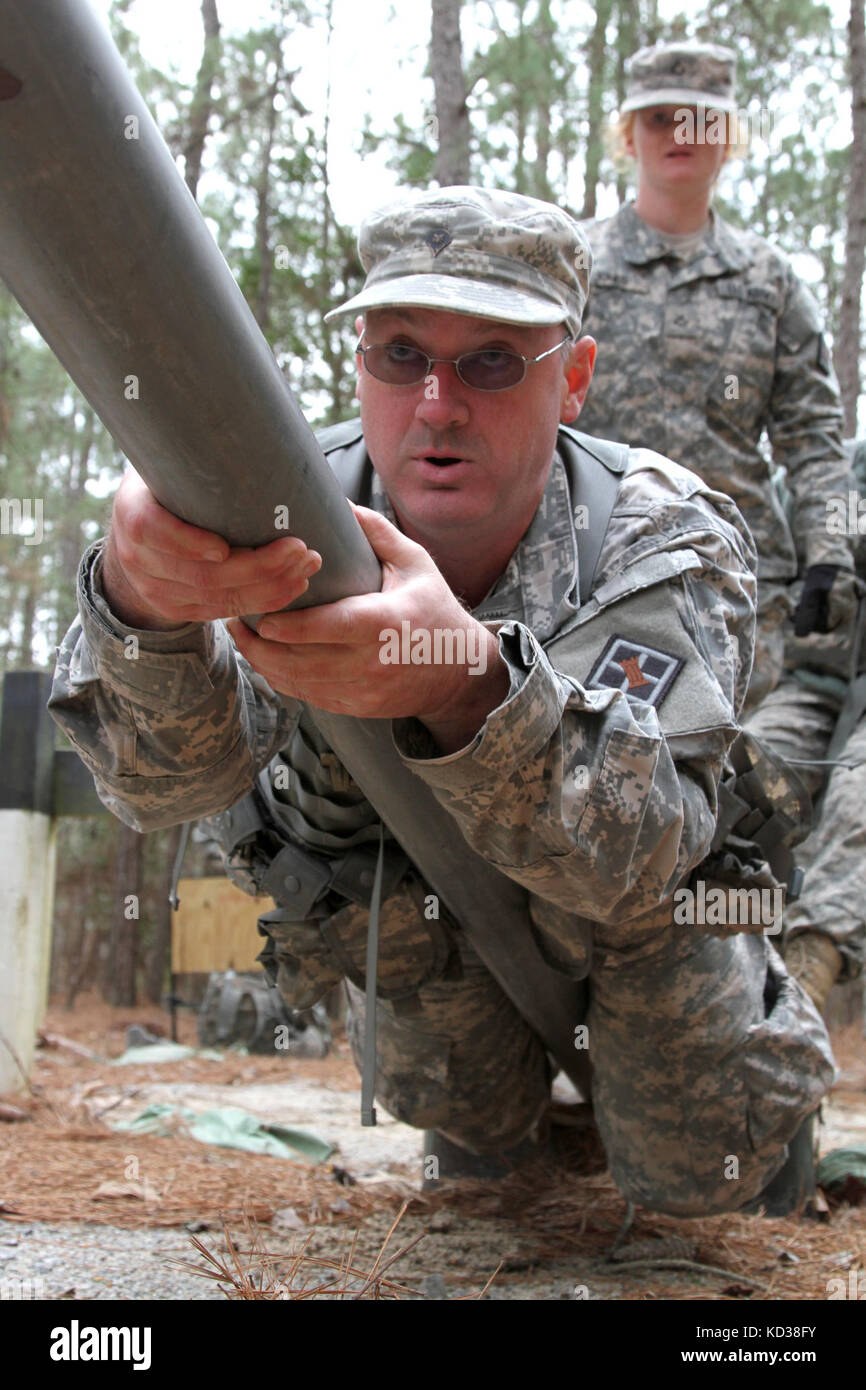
{"x":620,"y":131}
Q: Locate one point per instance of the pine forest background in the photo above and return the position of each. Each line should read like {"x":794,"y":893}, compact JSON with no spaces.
{"x":513,"y":93}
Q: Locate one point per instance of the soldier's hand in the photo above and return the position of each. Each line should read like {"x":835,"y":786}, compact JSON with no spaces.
{"x":159,"y":572}
{"x":338,"y":656}
{"x":828,"y":600}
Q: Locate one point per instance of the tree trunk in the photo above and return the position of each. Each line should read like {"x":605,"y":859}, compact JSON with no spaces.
{"x":848,"y":338}
{"x":82,"y":964}
{"x":341,"y":385}
{"x":544,"y":30}
{"x":28,"y":618}
{"x":626,"y":44}
{"x":449,"y":86}
{"x":520,"y":103}
{"x":595,"y":105}
{"x":263,"y":212}
{"x":202,"y":101}
{"x":69,"y":538}
{"x":5,"y":335}
{"x":160,"y":948}
{"x":125,"y":916}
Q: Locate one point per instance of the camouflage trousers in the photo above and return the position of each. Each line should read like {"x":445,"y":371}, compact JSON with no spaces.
{"x":774,"y":611}
{"x":706,"y":1056}
{"x":799,"y":723}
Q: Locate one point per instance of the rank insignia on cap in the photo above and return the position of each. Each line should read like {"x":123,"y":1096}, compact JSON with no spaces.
{"x":438,"y":239}
{"x":636,"y":669}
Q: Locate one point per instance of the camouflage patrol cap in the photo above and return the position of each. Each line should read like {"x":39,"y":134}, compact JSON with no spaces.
{"x":685,"y":74}
{"x":475,"y":251}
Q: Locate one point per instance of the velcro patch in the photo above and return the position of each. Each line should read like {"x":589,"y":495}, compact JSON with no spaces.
{"x":636,"y":669}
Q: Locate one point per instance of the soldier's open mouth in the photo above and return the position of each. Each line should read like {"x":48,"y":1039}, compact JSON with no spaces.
{"x":442,"y":462}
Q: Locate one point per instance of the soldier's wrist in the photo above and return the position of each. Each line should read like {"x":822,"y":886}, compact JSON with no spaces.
{"x":125,"y":603}
{"x":480,"y":691}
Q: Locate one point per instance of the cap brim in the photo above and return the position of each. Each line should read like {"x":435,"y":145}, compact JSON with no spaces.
{"x":677,"y":96}
{"x":454,"y":295}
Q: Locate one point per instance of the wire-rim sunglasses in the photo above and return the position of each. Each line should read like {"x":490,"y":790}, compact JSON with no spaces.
{"x":488,"y":369}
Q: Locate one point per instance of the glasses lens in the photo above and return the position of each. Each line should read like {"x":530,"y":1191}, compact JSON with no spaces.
{"x":396,"y":363}
{"x":493,"y":370}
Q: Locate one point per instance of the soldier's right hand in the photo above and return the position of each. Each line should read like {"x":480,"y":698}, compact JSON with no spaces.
{"x":160,"y":573}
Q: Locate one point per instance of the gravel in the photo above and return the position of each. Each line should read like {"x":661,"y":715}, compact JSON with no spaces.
{"x":82,"y":1260}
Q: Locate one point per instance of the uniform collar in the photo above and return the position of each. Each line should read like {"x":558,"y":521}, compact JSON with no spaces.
{"x":721,"y":251}
{"x":541,"y":580}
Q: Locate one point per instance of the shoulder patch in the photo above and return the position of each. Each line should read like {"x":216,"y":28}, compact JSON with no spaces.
{"x":636,"y":669}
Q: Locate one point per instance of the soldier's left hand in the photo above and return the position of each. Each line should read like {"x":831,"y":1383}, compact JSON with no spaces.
{"x":828,"y":600}
{"x":331,"y":656}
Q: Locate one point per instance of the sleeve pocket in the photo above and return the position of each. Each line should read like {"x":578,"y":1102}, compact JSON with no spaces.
{"x":614,"y":814}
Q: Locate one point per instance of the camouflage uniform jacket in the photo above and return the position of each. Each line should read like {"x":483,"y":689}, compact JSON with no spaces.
{"x":598,"y":802}
{"x":698,"y":356}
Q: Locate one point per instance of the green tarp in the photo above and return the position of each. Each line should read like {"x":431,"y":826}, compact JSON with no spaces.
{"x":231,"y":1128}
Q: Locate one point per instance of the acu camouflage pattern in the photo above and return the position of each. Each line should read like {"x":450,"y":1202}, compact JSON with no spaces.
{"x":798,"y":719}
{"x":597,"y":802}
{"x":307,"y":957}
{"x":474,"y":251}
{"x":687,"y":74}
{"x":676,"y":339}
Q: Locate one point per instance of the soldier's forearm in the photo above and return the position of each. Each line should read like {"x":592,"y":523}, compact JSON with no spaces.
{"x":173,"y":725}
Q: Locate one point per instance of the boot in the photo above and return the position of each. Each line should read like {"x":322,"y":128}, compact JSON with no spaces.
{"x":814,"y":961}
{"x":794,"y":1183}
{"x":453,"y":1162}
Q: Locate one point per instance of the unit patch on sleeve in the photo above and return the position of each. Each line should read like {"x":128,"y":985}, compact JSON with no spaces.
{"x":636,"y":669}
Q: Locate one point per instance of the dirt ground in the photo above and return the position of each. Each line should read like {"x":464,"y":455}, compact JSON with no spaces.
{"x":277,"y":1227}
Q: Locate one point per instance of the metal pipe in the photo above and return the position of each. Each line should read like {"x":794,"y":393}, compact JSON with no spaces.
{"x":103,"y":246}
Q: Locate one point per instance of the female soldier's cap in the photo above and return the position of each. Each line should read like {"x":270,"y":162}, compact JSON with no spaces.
{"x":475,"y":251}
{"x":682,"y":74}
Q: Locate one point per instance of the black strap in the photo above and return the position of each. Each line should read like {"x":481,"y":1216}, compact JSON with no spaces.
{"x":596,"y":468}
{"x":178,"y":864}
{"x":368,"y":1074}
{"x":349,"y":463}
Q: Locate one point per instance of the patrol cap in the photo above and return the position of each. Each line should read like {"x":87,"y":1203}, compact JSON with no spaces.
{"x":476,"y":251}
{"x":684,"y":74}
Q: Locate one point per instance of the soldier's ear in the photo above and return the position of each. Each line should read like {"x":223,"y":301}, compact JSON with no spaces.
{"x":576,"y":379}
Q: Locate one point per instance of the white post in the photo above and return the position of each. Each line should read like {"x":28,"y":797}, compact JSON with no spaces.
{"x":26,"y":869}
{"x":27,"y":843}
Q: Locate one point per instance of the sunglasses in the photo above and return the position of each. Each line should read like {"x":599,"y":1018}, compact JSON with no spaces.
{"x":491,"y":369}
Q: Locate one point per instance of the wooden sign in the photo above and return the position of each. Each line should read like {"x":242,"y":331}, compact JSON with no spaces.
{"x":214,"y":928}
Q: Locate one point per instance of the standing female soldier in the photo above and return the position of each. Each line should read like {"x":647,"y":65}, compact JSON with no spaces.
{"x":707,"y":338}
